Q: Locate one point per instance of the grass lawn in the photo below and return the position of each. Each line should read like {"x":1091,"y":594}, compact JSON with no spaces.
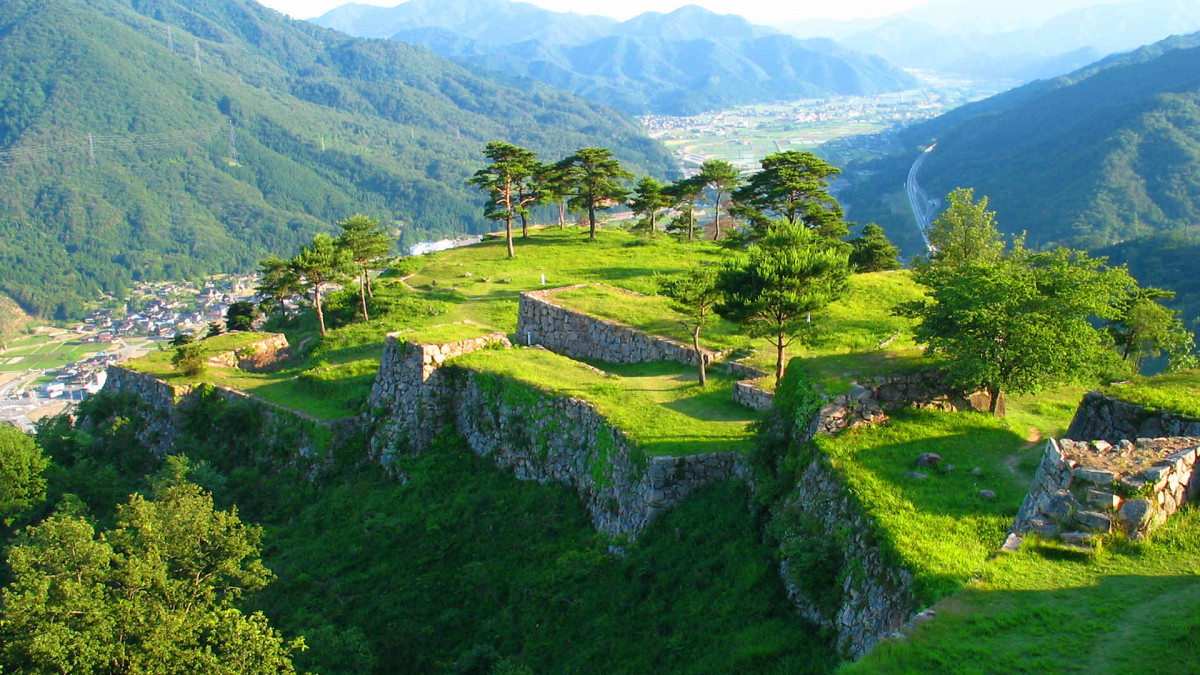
{"x":659,"y":405}
{"x":332,"y":386}
{"x":1173,"y":391}
{"x":1128,"y":609}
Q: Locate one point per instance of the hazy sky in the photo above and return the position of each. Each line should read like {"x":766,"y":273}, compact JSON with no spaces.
{"x":760,"y":11}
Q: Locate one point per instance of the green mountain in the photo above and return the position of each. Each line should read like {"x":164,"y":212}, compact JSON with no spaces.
{"x":680,"y":63}
{"x":1106,"y":154}
{"x":149,"y":139}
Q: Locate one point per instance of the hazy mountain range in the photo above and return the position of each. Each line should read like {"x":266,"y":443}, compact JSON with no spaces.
{"x":683,"y":62}
{"x":174,"y":138}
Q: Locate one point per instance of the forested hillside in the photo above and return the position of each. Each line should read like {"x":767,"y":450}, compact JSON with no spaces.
{"x":1103,"y":155}
{"x":149,"y":139}
{"x":681,"y":63}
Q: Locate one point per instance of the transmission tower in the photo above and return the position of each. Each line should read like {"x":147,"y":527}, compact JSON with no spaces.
{"x":91,"y":149}
{"x":233,"y":153}
{"x":170,"y":40}
{"x":199,"y":68}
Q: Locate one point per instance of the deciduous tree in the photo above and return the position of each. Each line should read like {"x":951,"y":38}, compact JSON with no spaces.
{"x":1018,"y":324}
{"x":156,"y":593}
{"x":965,"y":232}
{"x":774,"y":287}
{"x":21,"y":465}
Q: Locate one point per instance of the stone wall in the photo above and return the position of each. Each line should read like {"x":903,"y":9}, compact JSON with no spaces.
{"x":747,"y":393}
{"x":868,"y":403}
{"x":546,"y":437}
{"x":1103,"y":417}
{"x":1085,"y":489}
{"x":403,"y":408}
{"x":260,"y":356}
{"x":872,"y":598}
{"x":282,"y":431}
{"x":579,"y":336}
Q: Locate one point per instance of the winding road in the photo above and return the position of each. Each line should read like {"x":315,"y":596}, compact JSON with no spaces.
{"x":922,"y":206}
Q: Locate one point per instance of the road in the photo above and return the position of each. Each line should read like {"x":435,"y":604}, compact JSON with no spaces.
{"x":922,"y":206}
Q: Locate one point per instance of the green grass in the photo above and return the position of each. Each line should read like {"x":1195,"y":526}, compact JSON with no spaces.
{"x":843,"y":345}
{"x":1128,"y":609}
{"x":1176,"y":392}
{"x":332,"y":385}
{"x":939,"y":528}
{"x":659,"y":405}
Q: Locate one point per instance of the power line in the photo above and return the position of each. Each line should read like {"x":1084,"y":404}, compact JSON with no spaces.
{"x":91,"y":143}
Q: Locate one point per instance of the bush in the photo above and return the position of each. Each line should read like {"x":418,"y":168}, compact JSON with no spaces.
{"x":188,"y":360}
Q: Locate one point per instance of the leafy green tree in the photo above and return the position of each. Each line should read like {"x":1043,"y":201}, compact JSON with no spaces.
{"x":1021,"y":323}
{"x":684,"y":193}
{"x":279,"y":281}
{"x":182,"y":339}
{"x":157,"y":593}
{"x":502,"y":180}
{"x":694,"y":296}
{"x":966,"y":231}
{"x":188,"y":360}
{"x":214,"y":329}
{"x":871,"y":251}
{"x":648,"y":199}
{"x":555,"y":188}
{"x":240,"y":316}
{"x":774,"y":288}
{"x":316,"y":266}
{"x":722,"y":178}
{"x":794,"y":186}
{"x":1145,"y":328}
{"x":595,"y":177}
{"x":21,"y":465}
{"x":364,"y":240}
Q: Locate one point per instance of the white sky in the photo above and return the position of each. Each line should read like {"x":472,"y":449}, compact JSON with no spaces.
{"x":758,"y":11}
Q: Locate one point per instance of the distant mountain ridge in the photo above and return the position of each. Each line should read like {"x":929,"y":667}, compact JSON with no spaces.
{"x":682,"y":62}
{"x":997,"y":42}
{"x":1105,"y":154}
{"x":173,"y":138}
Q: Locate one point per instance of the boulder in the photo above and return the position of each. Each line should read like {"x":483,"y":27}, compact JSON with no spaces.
{"x":929,"y":459}
{"x":1135,"y":514}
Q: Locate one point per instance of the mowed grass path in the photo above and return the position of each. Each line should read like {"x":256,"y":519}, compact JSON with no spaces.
{"x":659,"y":405}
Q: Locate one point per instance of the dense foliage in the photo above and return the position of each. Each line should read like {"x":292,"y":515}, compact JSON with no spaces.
{"x":127,"y":157}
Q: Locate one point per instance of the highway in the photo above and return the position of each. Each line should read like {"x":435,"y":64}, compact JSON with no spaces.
{"x":922,"y":205}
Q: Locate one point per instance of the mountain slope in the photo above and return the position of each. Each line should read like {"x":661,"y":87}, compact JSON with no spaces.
{"x":683,"y":62}
{"x":1102,"y":155}
{"x":221,"y":131}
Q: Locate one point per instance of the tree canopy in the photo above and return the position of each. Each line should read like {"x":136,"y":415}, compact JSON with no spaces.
{"x":872,"y":251}
{"x":318,"y":265}
{"x":21,"y":465}
{"x":508,"y":183}
{"x":694,"y":296}
{"x":364,"y":240}
{"x":966,"y":231}
{"x":722,"y":178}
{"x":596,"y":178}
{"x":794,"y":186}
{"x":156,"y":593}
{"x":649,"y":198}
{"x":774,"y":288}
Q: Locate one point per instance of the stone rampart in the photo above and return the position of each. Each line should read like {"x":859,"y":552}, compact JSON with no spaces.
{"x":1087,"y":489}
{"x":257,"y":357}
{"x":1104,"y":417}
{"x":580,"y":336}
{"x":304,"y":436}
{"x":869,"y":402}
{"x":870,"y":598}
{"x":747,"y":393}
{"x":546,"y":437}
{"x":403,"y":406}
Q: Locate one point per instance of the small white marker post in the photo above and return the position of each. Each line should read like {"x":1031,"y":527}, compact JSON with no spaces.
{"x":543,"y":278}
{"x":528,"y":339}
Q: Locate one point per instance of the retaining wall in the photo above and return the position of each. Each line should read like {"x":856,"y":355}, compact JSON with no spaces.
{"x":869,"y":402}
{"x":580,"y":336}
{"x":1104,"y":417}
